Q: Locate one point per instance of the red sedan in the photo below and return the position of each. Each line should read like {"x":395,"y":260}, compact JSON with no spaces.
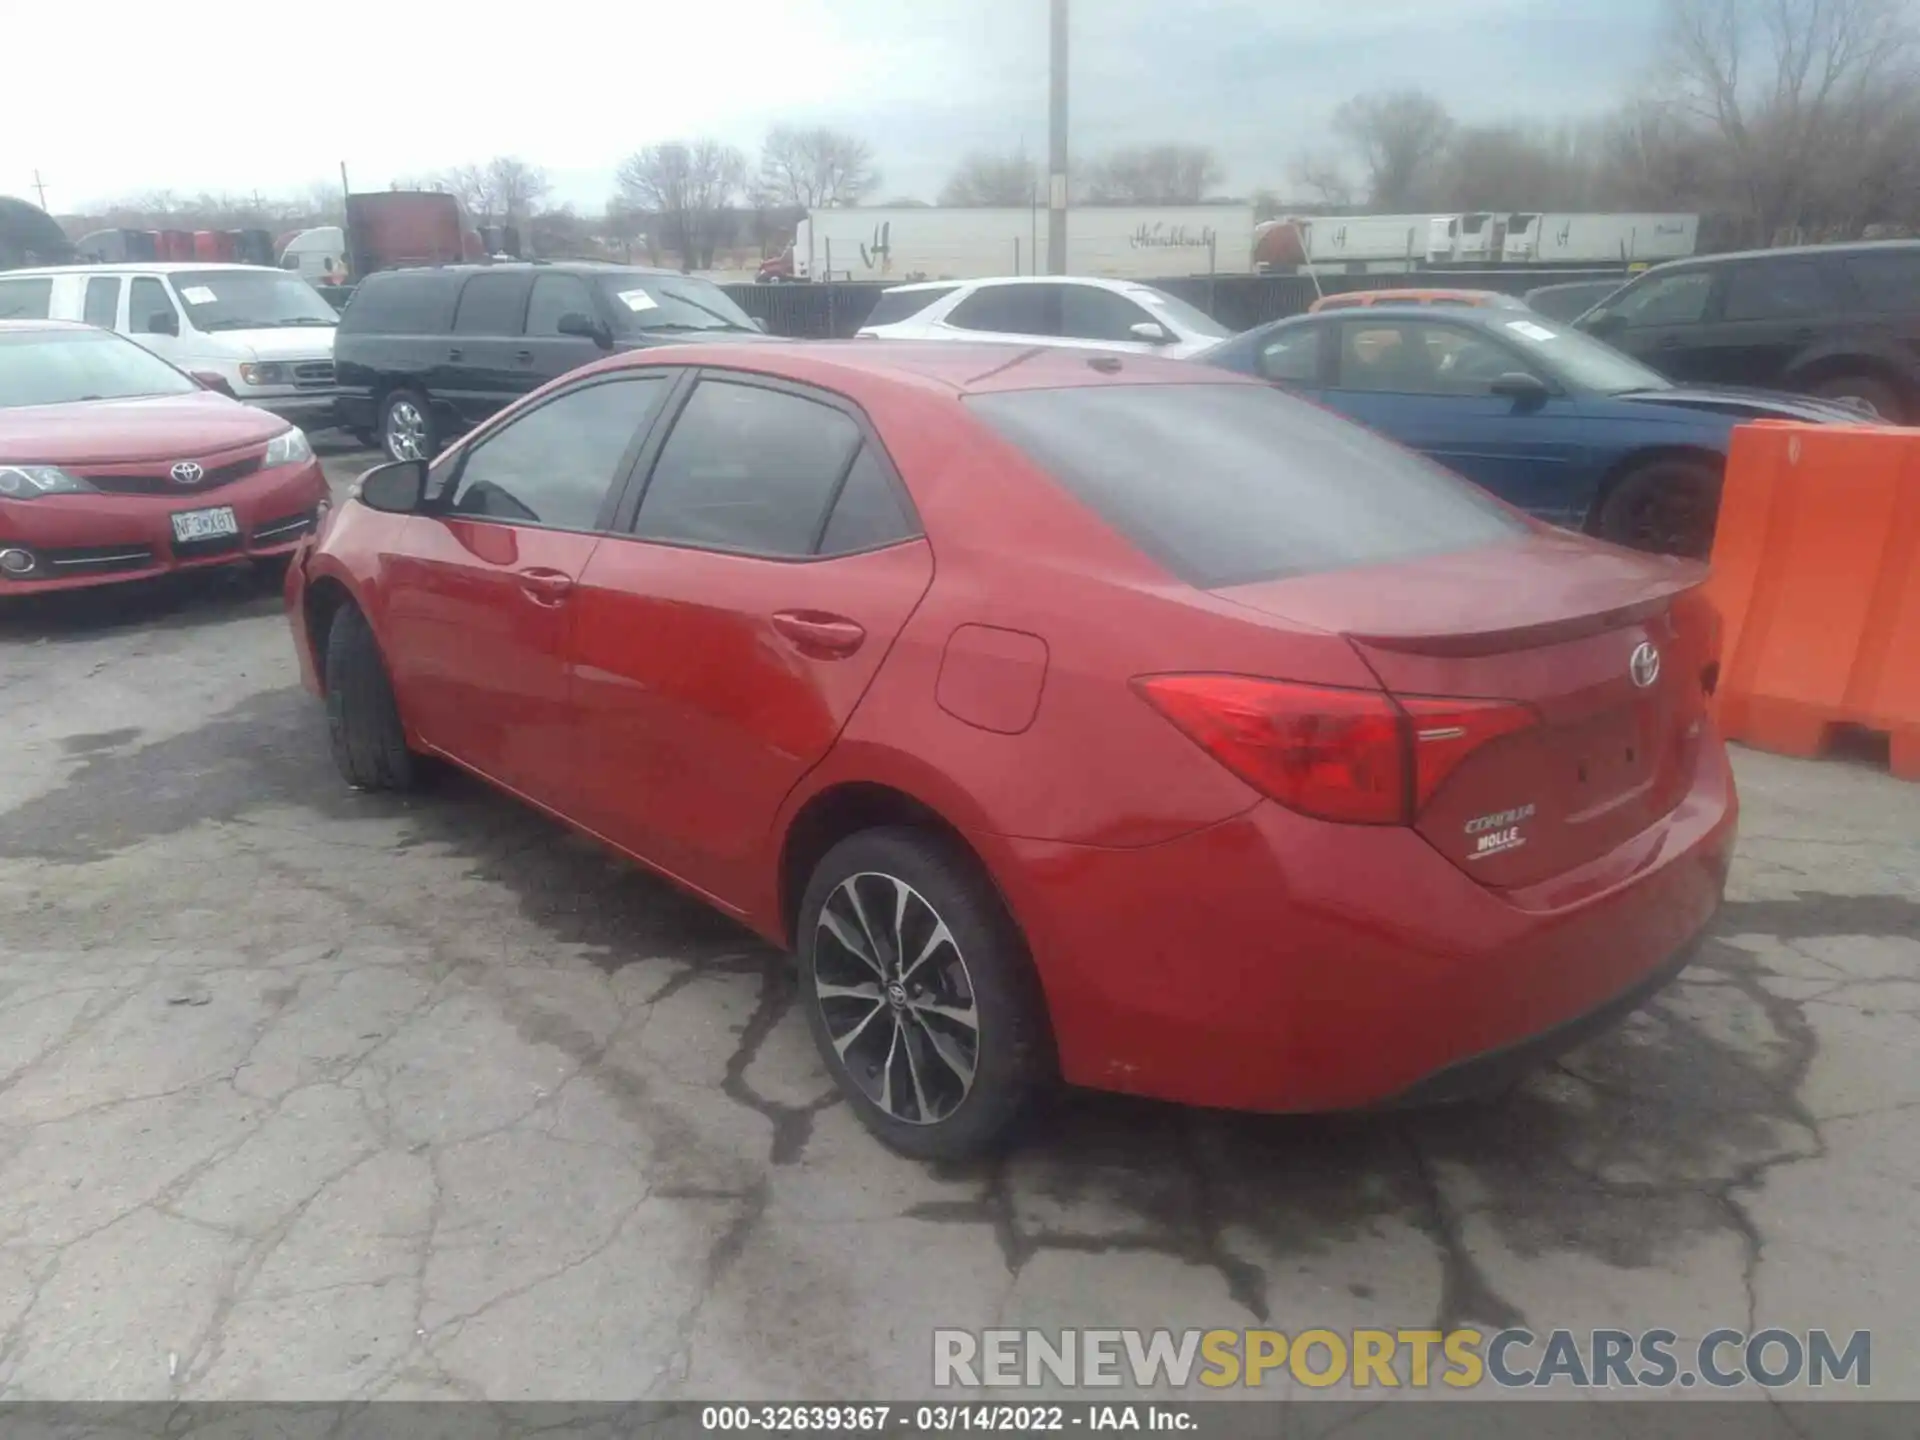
{"x":116,"y":466}
{"x":1065,"y":714}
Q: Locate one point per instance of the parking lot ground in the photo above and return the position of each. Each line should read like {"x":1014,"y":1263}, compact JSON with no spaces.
{"x":313,"y":1095}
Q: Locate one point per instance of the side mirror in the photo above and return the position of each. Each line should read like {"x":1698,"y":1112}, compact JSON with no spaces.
{"x":163,"y":322}
{"x":396,"y":488}
{"x":210,"y":380}
{"x":1151,"y":331}
{"x":1528,"y":392}
{"x":587,"y":328}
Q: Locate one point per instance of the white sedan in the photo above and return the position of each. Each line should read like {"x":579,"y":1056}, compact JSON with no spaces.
{"x":1086,"y":314}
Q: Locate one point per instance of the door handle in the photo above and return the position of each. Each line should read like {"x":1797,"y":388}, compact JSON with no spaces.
{"x":818,"y":635}
{"x":523,"y":356}
{"x":455,"y":353}
{"x":1667,"y":342}
{"x":546,"y":587}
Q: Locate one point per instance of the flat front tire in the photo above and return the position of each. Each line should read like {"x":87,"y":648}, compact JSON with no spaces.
{"x":363,"y":722}
{"x":919,"y":993}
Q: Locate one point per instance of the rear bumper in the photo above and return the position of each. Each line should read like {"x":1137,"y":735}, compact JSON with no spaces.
{"x":1277,"y":963}
{"x":87,"y":540}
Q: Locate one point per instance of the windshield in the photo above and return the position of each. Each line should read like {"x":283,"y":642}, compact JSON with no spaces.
{"x":1194,"y":322}
{"x":55,"y":367}
{"x":1578,"y":360}
{"x":251,"y":300}
{"x":671,"y":302}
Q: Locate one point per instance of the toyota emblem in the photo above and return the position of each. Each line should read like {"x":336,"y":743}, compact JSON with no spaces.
{"x":186,"y":472}
{"x":1644,"y":666}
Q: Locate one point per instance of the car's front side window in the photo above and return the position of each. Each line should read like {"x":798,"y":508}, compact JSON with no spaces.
{"x":1666,"y":300}
{"x":556,"y":465}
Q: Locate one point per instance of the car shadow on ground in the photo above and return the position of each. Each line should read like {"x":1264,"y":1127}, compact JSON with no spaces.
{"x":214,"y":596}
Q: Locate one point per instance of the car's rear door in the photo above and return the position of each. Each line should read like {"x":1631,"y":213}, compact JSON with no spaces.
{"x":1016,"y":314}
{"x":722,"y":642}
{"x":482,"y":371}
{"x":482,"y":588}
{"x":1427,"y":383}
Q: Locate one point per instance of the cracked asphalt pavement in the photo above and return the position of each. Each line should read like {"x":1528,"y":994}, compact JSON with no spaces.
{"x":313,"y":1095}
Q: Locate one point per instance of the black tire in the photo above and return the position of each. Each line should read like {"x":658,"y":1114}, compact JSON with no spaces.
{"x":363,"y":723}
{"x":985,"y":973}
{"x":406,"y":427}
{"x":1885,"y":398}
{"x":1668,"y":507}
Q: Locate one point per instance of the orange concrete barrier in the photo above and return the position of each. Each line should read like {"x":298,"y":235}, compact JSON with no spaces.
{"x":1816,"y":575}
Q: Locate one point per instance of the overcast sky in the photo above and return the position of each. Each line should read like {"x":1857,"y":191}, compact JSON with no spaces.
{"x":275,"y":97}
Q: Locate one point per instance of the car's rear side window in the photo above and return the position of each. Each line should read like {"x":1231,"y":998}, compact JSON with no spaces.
{"x":493,"y":305}
{"x":893,"y":306}
{"x":416,"y":304}
{"x":1228,"y":484}
{"x":1886,"y":279}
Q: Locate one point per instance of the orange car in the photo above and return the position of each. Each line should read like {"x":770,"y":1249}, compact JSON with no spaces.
{"x":1352,"y":298}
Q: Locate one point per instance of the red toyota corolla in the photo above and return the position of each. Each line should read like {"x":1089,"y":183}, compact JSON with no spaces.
{"x":1064,"y":713}
{"x":116,"y":466}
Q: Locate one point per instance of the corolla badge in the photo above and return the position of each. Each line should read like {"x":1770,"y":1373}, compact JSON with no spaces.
{"x":186,"y":472}
{"x":1644,"y":664}
{"x":1498,"y":832}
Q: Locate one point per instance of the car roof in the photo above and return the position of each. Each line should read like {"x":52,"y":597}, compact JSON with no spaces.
{"x":537,"y":267}
{"x":143,"y":267}
{"x":1786,"y":252}
{"x":948,"y":367}
{"x":1406,"y":294}
{"x":16,"y":327}
{"x":1103,"y":282}
{"x":1485,"y":316}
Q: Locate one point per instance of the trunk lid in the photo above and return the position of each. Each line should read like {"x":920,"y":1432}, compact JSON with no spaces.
{"x":1598,"y":645}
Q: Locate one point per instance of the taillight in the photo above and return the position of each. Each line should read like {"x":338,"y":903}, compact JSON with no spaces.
{"x":1445,"y":732}
{"x":1357,"y":756}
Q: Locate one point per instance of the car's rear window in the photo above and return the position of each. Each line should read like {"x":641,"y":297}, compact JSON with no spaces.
{"x":894,"y":306}
{"x":1229,"y":484}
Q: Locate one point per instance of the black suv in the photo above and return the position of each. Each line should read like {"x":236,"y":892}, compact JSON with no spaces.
{"x":1838,"y":321}
{"x":421,"y":355}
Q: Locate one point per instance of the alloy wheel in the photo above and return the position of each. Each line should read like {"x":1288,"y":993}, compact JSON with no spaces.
{"x":898,"y":1003}
{"x":406,"y":431}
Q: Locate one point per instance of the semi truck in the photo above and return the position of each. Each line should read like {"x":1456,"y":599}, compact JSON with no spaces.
{"x":1471,"y":240}
{"x":385,"y":229}
{"x":904,"y":243}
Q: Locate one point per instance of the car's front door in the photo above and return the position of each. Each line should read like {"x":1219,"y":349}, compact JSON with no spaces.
{"x":1296,"y":359}
{"x":1658,"y":320}
{"x":153,"y":320}
{"x":544,"y":353}
{"x":1429,"y":385}
{"x":1766,"y":313}
{"x":723,"y":642}
{"x":481,"y":590}
{"x":482,"y":370}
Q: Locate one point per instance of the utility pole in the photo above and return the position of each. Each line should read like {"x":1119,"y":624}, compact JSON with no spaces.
{"x":40,"y":189}
{"x":1057,"y":145}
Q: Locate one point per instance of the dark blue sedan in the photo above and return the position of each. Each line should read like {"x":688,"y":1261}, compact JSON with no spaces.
{"x":1547,"y":418}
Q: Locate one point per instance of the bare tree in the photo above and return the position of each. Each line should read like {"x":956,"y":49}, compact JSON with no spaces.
{"x":1797,"y":92}
{"x":1154,"y":175}
{"x":813,"y":168}
{"x":517,"y":187}
{"x":472,"y":186}
{"x":1398,"y":135}
{"x":987,"y":179}
{"x":1321,"y":178}
{"x":691,"y":188}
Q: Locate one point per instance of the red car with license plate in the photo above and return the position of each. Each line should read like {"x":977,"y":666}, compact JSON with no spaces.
{"x":115,"y":466}
{"x":1066,"y":714}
